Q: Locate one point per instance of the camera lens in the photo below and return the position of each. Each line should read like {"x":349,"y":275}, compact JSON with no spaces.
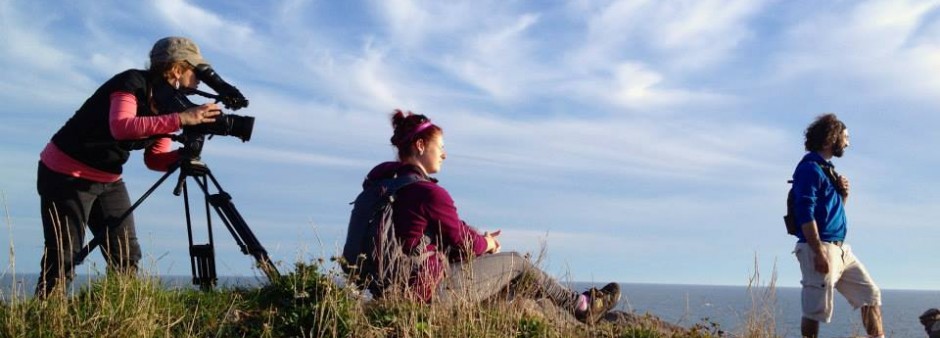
{"x":227,"y":125}
{"x":241,"y":126}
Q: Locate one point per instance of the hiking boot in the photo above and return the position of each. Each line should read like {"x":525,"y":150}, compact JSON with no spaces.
{"x":931,"y":321}
{"x":599,"y":302}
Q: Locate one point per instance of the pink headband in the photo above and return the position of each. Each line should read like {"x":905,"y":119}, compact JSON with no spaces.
{"x":418,"y":129}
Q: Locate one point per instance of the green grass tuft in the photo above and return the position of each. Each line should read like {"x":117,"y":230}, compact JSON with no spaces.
{"x":304,"y":303}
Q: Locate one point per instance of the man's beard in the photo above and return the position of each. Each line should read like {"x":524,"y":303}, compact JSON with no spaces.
{"x":838,"y":152}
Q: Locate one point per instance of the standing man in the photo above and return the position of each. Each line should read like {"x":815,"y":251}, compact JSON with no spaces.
{"x":826,"y":261}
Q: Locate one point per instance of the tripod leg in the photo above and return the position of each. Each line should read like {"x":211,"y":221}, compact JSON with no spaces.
{"x":242,"y":234}
{"x":238,"y":228}
{"x":201,"y":256}
{"x":203,"y":260}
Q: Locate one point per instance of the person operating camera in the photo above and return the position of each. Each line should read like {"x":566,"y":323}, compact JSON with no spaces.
{"x":79,"y":178}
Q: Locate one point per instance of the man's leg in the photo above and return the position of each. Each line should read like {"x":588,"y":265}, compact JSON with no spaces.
{"x":809,"y":328}
{"x":861,"y":291}
{"x":871,"y":319}
{"x":817,"y":293}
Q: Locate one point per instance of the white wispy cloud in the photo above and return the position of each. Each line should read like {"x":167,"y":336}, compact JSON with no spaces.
{"x":634,"y":86}
{"x":408,"y":21}
{"x":633,"y":52}
{"x":685,"y":34}
{"x":39,"y":67}
{"x":614,"y":146}
{"x":502,"y":62}
{"x":304,"y":157}
{"x":885,"y":45}
{"x":371,"y":76}
{"x":697,"y":34}
{"x":204,"y":25}
{"x":496,"y":53}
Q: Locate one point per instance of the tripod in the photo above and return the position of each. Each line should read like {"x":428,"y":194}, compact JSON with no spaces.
{"x":202,"y":256}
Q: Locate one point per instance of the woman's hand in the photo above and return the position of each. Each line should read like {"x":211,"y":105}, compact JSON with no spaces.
{"x":492,"y":244}
{"x":201,"y":114}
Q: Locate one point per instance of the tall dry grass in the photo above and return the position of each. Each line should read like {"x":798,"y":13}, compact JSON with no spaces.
{"x":761,"y":319}
{"x":306,"y":302}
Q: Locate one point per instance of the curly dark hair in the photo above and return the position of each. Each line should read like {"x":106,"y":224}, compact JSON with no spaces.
{"x":825,"y":131}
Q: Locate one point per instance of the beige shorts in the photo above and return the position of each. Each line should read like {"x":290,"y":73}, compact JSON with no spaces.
{"x":846,"y":275}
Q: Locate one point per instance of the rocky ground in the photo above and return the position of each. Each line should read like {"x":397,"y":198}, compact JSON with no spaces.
{"x":546,"y":309}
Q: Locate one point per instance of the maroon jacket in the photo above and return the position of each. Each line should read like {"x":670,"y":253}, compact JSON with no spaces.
{"x":423,"y":208}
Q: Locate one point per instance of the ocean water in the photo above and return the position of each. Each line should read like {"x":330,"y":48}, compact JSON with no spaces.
{"x":685,"y":305}
{"x":23,"y":285}
{"x":728,"y":306}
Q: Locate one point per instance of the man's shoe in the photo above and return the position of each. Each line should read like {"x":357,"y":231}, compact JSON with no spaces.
{"x":599,"y":302}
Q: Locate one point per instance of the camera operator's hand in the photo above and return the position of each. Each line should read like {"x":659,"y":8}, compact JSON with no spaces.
{"x":197,"y":115}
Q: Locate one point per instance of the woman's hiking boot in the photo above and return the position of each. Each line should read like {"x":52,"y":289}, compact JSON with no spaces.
{"x":599,"y":302}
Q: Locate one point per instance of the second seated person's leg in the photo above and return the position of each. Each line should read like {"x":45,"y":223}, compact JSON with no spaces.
{"x":485,"y":276}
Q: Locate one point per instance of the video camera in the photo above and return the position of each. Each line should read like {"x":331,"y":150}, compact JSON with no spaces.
{"x":171,"y":99}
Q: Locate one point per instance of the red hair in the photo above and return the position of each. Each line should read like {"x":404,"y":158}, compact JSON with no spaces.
{"x":409,"y":128}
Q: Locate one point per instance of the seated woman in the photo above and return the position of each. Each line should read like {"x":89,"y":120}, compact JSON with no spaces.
{"x":461,"y":263}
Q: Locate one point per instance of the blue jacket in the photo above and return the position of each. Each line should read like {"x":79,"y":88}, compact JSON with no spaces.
{"x":816,"y":198}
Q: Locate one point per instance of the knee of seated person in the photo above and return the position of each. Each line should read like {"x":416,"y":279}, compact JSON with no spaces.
{"x":875,"y":298}
{"x":514,"y":254}
{"x":519,"y":257}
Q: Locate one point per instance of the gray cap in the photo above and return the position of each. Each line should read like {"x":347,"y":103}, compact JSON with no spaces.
{"x":174,"y":48}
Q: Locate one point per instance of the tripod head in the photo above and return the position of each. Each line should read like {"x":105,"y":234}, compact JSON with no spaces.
{"x":192,"y":144}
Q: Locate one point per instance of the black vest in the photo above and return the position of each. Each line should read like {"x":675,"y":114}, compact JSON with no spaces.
{"x":87,"y":137}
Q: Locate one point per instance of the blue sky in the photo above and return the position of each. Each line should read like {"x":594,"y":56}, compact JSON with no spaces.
{"x":637,"y":141}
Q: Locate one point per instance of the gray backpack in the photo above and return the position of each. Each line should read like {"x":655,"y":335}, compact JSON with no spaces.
{"x":373,"y":257}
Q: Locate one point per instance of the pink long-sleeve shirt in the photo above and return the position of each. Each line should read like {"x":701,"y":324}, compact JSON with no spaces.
{"x":124,"y":125}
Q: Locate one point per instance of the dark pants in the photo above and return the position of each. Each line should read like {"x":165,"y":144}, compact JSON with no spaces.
{"x":68,"y":204}
{"x":485,"y":276}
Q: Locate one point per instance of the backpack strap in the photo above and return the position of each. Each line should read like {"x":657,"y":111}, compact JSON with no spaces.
{"x":400,"y":181}
{"x":830,"y":173}
{"x":392,"y":185}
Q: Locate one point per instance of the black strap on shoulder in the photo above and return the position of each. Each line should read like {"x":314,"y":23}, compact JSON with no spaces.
{"x":827,"y":169}
{"x":831,"y":174}
{"x":393,"y":184}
